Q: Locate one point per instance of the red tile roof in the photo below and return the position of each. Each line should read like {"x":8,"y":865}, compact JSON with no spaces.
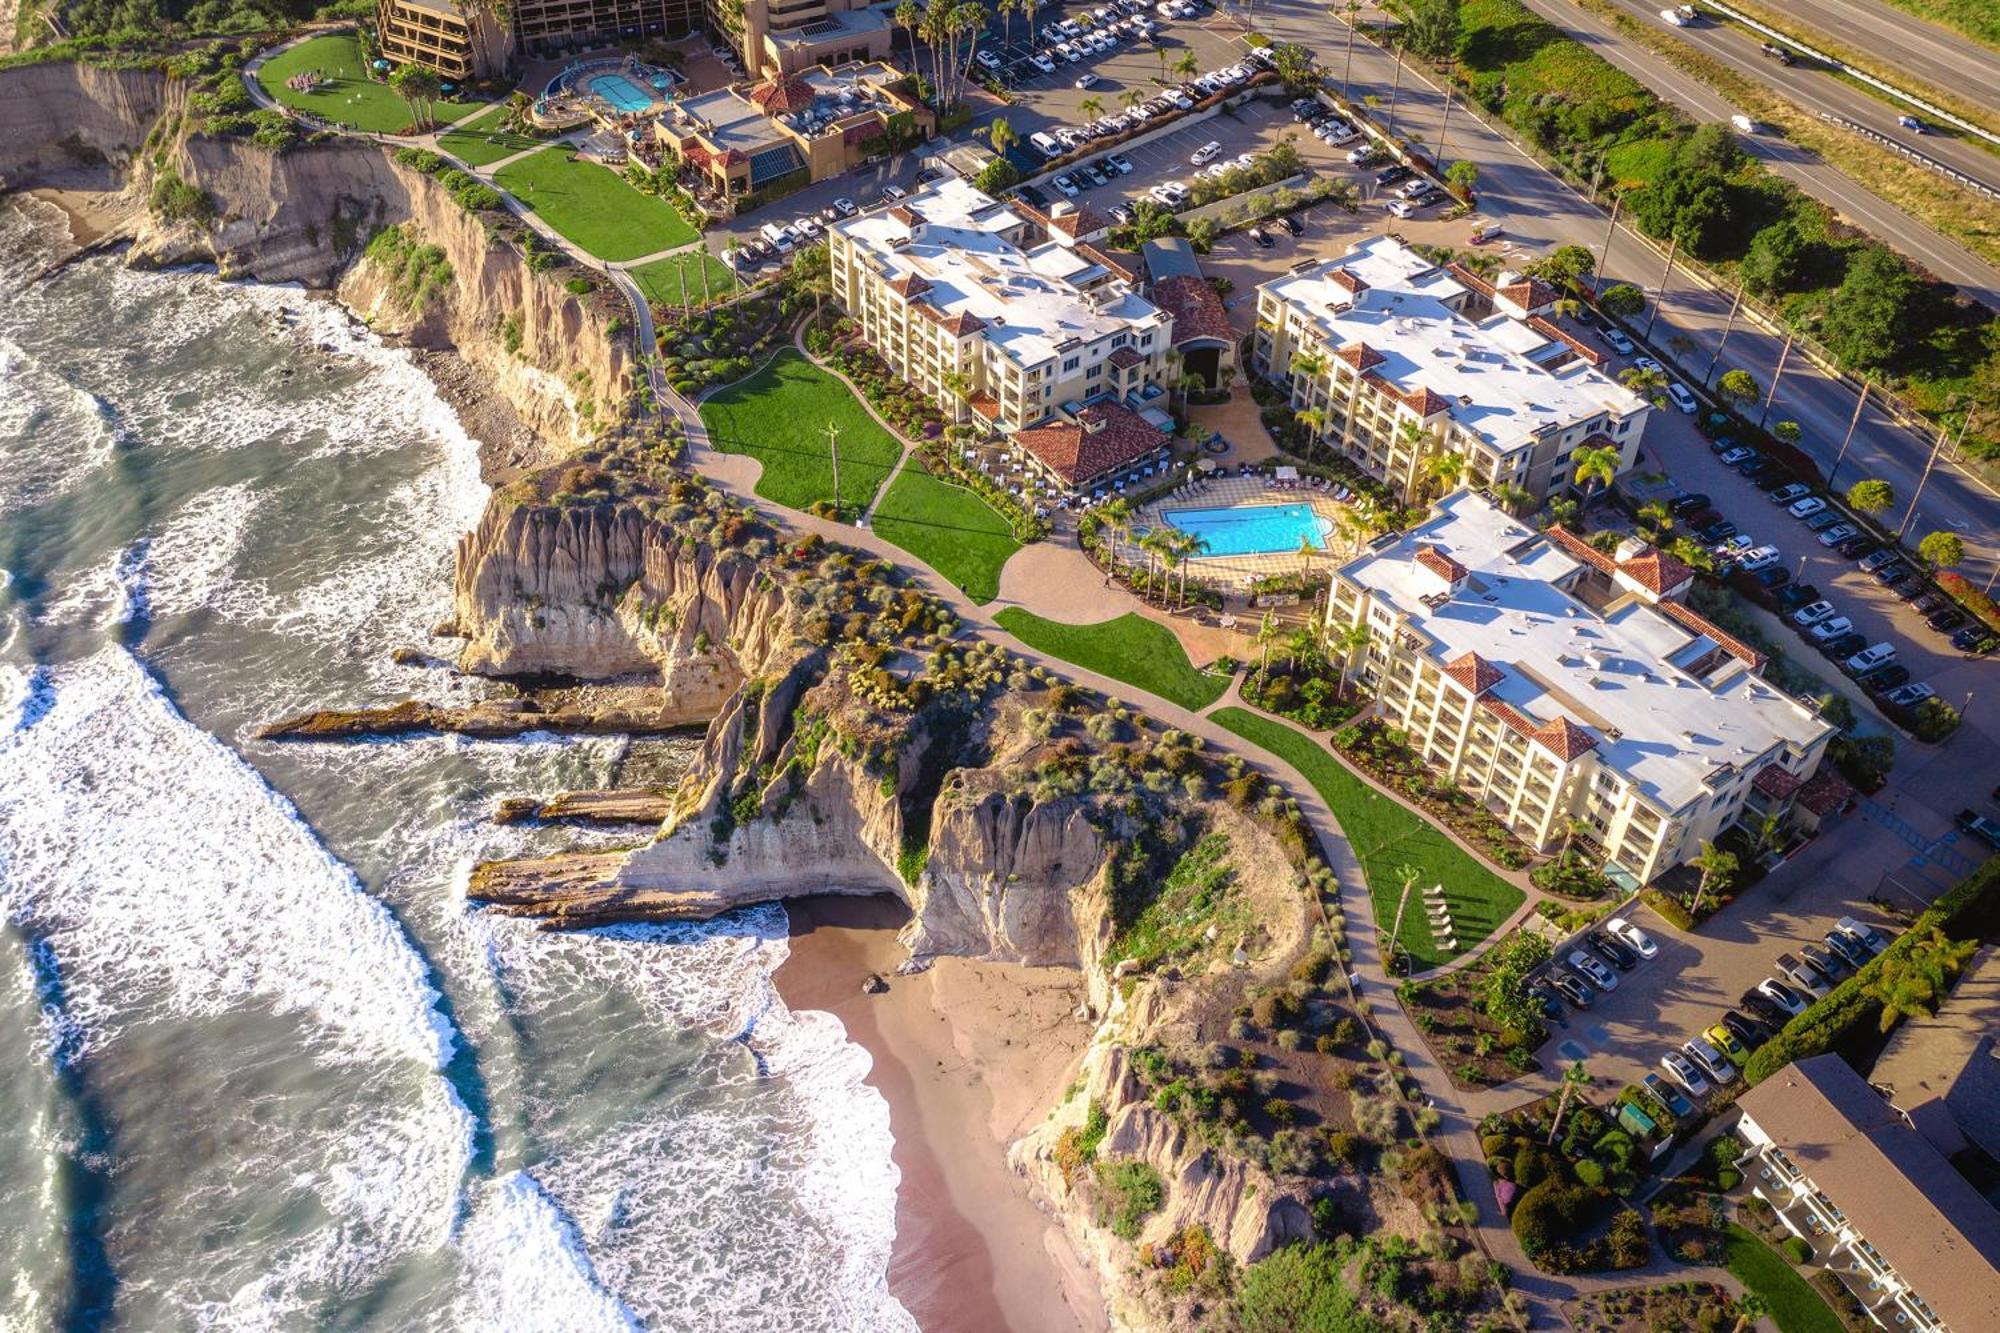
{"x":1474,"y":672}
{"x":1097,"y":256}
{"x":1549,"y":329}
{"x":1360,"y":355}
{"x":957,"y":325}
{"x":1469,"y":278}
{"x":1701,"y":624}
{"x":1103,"y":438}
{"x":1347,"y":280}
{"x":1581,"y":549}
{"x":1529,"y":294}
{"x":786,"y":93}
{"x":1656,"y":571}
{"x":1775,"y":782}
{"x":1084,"y":221}
{"x":909,"y":285}
{"x":985,"y":404}
{"x":1564,"y":738}
{"x":1827,"y":792}
{"x":1426,"y":402}
{"x":1508,"y":714}
{"x":1126,"y":357}
{"x":1197,"y":310}
{"x":1437,"y":562}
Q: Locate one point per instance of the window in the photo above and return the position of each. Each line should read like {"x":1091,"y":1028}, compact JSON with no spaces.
{"x":1146,"y":340}
{"x":1093,"y":373}
{"x":1070,"y":362}
{"x":1120,"y":339}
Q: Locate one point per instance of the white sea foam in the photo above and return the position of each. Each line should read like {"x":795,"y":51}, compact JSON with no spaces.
{"x":195,"y":554}
{"x":526,"y":1267}
{"x":158,"y":863}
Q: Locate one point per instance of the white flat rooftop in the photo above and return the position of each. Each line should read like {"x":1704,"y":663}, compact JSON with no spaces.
{"x":1622,"y":677}
{"x":1031,"y":301}
{"x":1492,"y":372}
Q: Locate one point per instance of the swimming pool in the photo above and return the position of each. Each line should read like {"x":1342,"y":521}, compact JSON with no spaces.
{"x":620,"y":92}
{"x":1253,"y":529}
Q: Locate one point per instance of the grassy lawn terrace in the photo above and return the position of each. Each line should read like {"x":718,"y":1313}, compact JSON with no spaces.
{"x":1387,"y":837}
{"x":661,"y":279}
{"x":593,"y":206}
{"x":779,"y":416}
{"x":1795,"y":1307}
{"x":349,"y":96}
{"x":1141,"y":652}
{"x":485,"y":139}
{"x":948,"y":528}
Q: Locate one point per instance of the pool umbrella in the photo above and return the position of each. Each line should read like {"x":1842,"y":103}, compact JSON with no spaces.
{"x":381,"y":64}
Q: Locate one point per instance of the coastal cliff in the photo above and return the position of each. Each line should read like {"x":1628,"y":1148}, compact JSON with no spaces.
{"x":562,"y":359}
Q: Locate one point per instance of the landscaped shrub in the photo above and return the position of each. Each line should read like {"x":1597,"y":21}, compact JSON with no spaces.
{"x":1797,"y":1249}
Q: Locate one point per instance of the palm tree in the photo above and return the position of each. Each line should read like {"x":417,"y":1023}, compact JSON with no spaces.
{"x":1001,"y":135}
{"x":1717,"y":868}
{"x":1092,"y":106}
{"x":1572,"y":830}
{"x":1573,"y":1078}
{"x":1154,"y":544}
{"x":1189,"y":383}
{"x":1444,"y":471}
{"x":1750,"y":1307}
{"x":1161,"y":51}
{"x":1007,"y":9}
{"x":1267,"y":634}
{"x":1346,"y":643}
{"x":1131,"y":97}
{"x":1311,"y":365}
{"x":909,"y":18}
{"x":1187,"y":66}
{"x":1191,"y":546}
{"x":1117,"y":518}
{"x":1512,"y":498}
{"x":1648,"y":384}
{"x":960,"y":388}
{"x":1422,"y":444}
{"x":1353,"y":8}
{"x":1599,"y":466}
{"x":1314,"y":420}
{"x":1656,"y":517}
{"x":1910,"y":985}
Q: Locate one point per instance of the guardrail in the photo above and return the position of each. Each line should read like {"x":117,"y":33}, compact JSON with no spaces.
{"x":1903,"y":150}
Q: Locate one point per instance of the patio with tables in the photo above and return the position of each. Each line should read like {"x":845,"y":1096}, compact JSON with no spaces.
{"x":1014,"y":468}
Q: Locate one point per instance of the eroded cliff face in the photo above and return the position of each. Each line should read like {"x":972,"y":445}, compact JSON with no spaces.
{"x":305,"y":215}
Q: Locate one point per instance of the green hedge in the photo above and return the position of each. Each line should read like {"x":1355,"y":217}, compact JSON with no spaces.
{"x":1967,"y":906}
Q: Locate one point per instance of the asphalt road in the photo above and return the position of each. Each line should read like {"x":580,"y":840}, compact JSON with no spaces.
{"x":1538,"y":212}
{"x":1852,"y":200}
{"x":1900,"y":39}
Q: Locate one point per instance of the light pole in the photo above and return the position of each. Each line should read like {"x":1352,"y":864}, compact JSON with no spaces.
{"x":833,"y":447}
{"x":1604,"y":255}
{"x":1783,"y":356}
{"x":1853,"y":421}
{"x":1666,"y":275}
{"x":1727,"y":329}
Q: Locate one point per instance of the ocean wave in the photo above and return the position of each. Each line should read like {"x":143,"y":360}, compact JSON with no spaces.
{"x":195,"y":553}
{"x":526,"y":1269}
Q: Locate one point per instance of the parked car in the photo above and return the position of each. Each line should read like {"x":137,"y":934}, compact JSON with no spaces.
{"x":1826,"y":964}
{"x":1874,"y":561}
{"x":1796,"y":595}
{"x":1573,"y":989}
{"x":1683,"y":1072}
{"x":1040,"y":60}
{"x":1869,"y":658}
{"x":1620,"y":344}
{"x":1717,"y":531}
{"x":1805,"y":508}
{"x":1808,"y":616}
{"x":1731,"y":457}
{"x":1720,"y":1037}
{"x":1746,"y":1029}
{"x":1832,"y":628}
{"x":1820,"y":522}
{"x":1205,"y":154}
{"x":1611,"y":950}
{"x":1782,"y":995}
{"x":1844,"y":647}
{"x":1851,"y":548}
{"x":1973,"y":639}
{"x":1884,"y":678}
{"x":1293,"y":225}
{"x":1119,"y":163}
{"x":1390,"y":175}
{"x":1711,"y":1061}
{"x":1647,"y":363}
{"x":1669,"y":1096}
{"x":1682,"y":398}
{"x":1861,"y":933}
{"x":1802,"y":976}
{"x":1838,"y":533}
{"x":1948,"y":619}
{"x":1634,"y":937}
{"x":1597,"y":973}
{"x":1777,"y":576}
{"x":1909,"y":696}
{"x":1891,"y":571}
{"x":1850,"y":949}
{"x":1790,"y":493}
{"x":1540,"y":993}
{"x":1262,"y":237}
{"x":1764,"y":1007}
{"x":1066,"y":185}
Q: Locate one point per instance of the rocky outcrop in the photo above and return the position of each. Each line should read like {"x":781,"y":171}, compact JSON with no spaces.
{"x":488,"y":720}
{"x":623,"y":805}
{"x":58,"y":117}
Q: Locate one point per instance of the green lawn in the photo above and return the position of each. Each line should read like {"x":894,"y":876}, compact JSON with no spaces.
{"x":1389,"y":837}
{"x":349,"y":97}
{"x":661,"y":279}
{"x":1794,"y":1305}
{"x":1138,"y":651}
{"x":485,"y":139}
{"x":779,"y":417}
{"x":947,"y":527}
{"x":593,"y":206}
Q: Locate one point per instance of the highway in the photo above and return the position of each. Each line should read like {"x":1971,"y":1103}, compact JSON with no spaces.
{"x":1901,"y":42}
{"x":1539,"y":212}
{"x":1853,"y":201}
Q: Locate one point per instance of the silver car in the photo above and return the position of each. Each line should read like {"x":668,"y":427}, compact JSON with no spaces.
{"x":1597,"y":973}
{"x":1683,"y":1072}
{"x":1712,"y":1061}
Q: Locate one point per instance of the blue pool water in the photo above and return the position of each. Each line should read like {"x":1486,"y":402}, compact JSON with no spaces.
{"x":620,"y":92}
{"x":1253,"y":529}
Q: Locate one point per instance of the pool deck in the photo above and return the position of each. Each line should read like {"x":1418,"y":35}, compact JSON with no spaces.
{"x":1238,"y":571}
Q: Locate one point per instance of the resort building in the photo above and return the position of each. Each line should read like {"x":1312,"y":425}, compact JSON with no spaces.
{"x":1881,"y":1207}
{"x":1002,"y":314}
{"x":786,"y":36}
{"x":1560,"y":684}
{"x":1204,"y":343}
{"x":803,"y":127}
{"x":479,"y":43}
{"x":1400,"y":358}
{"x":1942,"y":1070}
{"x":460,"y":44}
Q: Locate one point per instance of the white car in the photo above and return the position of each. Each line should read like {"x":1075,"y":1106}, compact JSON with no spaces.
{"x":1040,"y":60}
{"x":1683,"y":1072}
{"x":1205,"y":154}
{"x":1712,"y":1061}
{"x":1761,"y":558}
{"x":1180,"y":99}
{"x":1085,"y":79}
{"x":1638,"y":939}
{"x":988,"y":59}
{"x":1807,"y":616}
{"x":1805,"y":508}
{"x":1065,"y":185}
{"x":1119,"y":163}
{"x":1909,"y":696}
{"x":1831,"y":628}
{"x":1682,"y":398}
{"x":1649,"y":365}
{"x":1600,"y":976}
{"x":1402,"y":208}
{"x":1782,"y":995}
{"x":894,"y":193}
{"x":1673,"y":16}
{"x":846,"y":207}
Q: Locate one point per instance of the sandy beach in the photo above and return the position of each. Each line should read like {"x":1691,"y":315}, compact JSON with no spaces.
{"x":968,"y":1054}
{"x":92,"y":214}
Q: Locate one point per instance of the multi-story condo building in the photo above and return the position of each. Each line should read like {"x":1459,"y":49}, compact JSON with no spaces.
{"x":1882,"y":1208}
{"x":785,"y":36}
{"x":1399,"y":357}
{"x":809,"y":125}
{"x":996,"y":311}
{"x":1560,"y":684}
{"x":479,"y":42}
